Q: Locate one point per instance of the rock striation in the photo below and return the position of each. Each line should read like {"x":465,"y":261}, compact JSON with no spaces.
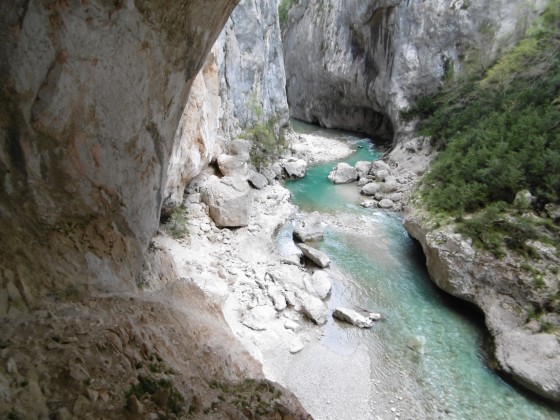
{"x":355,"y":64}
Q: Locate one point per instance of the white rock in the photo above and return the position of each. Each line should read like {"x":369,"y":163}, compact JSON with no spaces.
{"x":317,"y":257}
{"x":296,"y":346}
{"x":232,"y":166}
{"x":292,"y":325}
{"x":313,"y":308}
{"x":296,"y":169}
{"x":343,"y":174}
{"x":319,"y":284}
{"x":371,"y":189}
{"x":228,"y":200}
{"x":352,"y":317}
{"x":386,"y":203}
{"x":310,"y":228}
{"x":362,"y":167}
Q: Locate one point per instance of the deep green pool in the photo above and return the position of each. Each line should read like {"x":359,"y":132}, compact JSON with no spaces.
{"x":385,"y":272}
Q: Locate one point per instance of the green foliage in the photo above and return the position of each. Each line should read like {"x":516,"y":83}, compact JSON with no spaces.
{"x":149,"y":385}
{"x":498,"y":132}
{"x":283,"y":10}
{"x":178,"y":222}
{"x":267,"y":137}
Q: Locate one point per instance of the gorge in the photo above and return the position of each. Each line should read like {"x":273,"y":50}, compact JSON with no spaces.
{"x":115,"y":114}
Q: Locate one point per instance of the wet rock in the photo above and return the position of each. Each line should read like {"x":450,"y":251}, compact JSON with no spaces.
{"x":416,"y":343}
{"x":228,"y":200}
{"x":296,"y":169}
{"x":352,"y":317}
{"x":343,"y":174}
{"x":317,"y":257}
{"x":310,"y":228}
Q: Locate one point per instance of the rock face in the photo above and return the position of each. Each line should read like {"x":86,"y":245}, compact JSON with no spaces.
{"x":354,"y":64}
{"x":504,"y":291}
{"x":242,"y":83}
{"x":91,"y":99}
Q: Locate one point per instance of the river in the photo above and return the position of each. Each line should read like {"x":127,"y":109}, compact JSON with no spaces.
{"x":430,"y":342}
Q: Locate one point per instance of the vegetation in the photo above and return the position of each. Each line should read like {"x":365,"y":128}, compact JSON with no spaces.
{"x":498,"y":131}
{"x":283,"y":9}
{"x":266,"y":135}
{"x":149,"y":386}
{"x":178,"y":222}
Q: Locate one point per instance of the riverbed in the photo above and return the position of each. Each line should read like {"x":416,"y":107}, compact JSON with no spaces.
{"x":427,"y":359}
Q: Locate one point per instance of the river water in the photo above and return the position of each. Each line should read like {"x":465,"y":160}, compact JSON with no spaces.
{"x":432,"y":343}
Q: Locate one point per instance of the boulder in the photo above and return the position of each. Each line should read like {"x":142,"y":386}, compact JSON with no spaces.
{"x":295,"y":169}
{"x":241,"y":149}
{"x":362,"y":167}
{"x":389,"y":186}
{"x":379,"y":165}
{"x":296,"y":345}
{"x":364,"y":180}
{"x":257,"y":180}
{"x":386,"y":204}
{"x":310,"y":228}
{"x":317,"y":257}
{"x":313,"y":308}
{"x":369,"y":204}
{"x":381,"y":174}
{"x":343,"y":174}
{"x":228,"y":200}
{"x":352,"y":317}
{"x":232,"y":165}
{"x":371,"y":189}
{"x":523,"y":199}
{"x":319,"y":284}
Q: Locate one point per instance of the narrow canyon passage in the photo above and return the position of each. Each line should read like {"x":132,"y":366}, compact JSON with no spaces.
{"x":427,"y":358}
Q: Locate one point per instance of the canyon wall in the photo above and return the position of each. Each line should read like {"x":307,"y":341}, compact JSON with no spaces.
{"x":355,"y":64}
{"x":242,"y":83}
{"x":91,"y":97}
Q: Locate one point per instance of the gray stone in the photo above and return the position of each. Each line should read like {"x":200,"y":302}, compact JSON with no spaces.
{"x":319,"y":284}
{"x":343,"y":174}
{"x":296,"y":169}
{"x":232,"y":166}
{"x":310,"y":228}
{"x":386,"y":204}
{"x":389,"y":187}
{"x":352,"y":317}
{"x":277,"y":297}
{"x":370,"y":204}
{"x":362,"y":167}
{"x":381,"y":174}
{"x":316,"y":256}
{"x":553,"y":211}
{"x":259,"y":317}
{"x":257,"y":180}
{"x":313,"y":308}
{"x":296,"y":346}
{"x":371,"y":189}
{"x":228,"y":200}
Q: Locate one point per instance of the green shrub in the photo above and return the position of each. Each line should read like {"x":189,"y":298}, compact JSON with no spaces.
{"x":178,"y":222}
{"x":498,"y":132}
{"x":283,"y":10}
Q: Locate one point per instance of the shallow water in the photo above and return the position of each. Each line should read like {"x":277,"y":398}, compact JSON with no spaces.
{"x":383,"y":270}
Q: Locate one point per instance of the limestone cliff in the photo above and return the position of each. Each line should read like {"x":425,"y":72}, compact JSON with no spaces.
{"x":243,"y":83}
{"x":91,"y":97}
{"x":355,"y":64}
{"x":504,"y":289}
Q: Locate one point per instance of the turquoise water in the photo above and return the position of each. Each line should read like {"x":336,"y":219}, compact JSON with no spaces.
{"x":384,"y":271}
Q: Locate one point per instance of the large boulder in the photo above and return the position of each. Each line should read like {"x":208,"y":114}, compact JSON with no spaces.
{"x":295,"y":168}
{"x":319,"y":284}
{"x":343,"y":174}
{"x":257,"y":180}
{"x":232,"y":165}
{"x":310,"y":228}
{"x":362,"y":167}
{"x":313,"y":308}
{"x":241,"y":149}
{"x":553,"y":211}
{"x":228,"y":200}
{"x":317,"y":257}
{"x":371,"y":189}
{"x":352,"y":317}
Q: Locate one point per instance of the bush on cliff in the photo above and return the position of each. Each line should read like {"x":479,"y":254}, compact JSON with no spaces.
{"x":499,"y":131}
